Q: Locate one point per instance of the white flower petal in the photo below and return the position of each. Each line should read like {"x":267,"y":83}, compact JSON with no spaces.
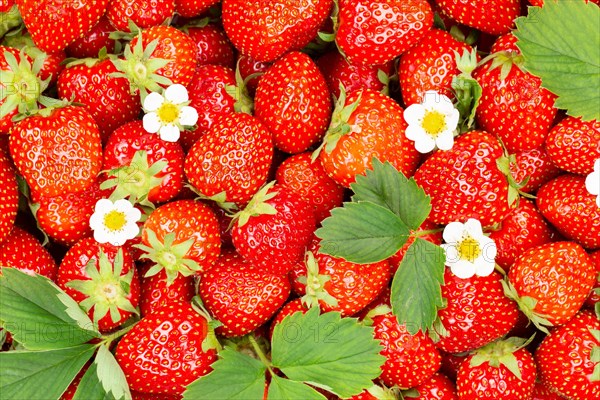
{"x":484,"y":268}
{"x":151,"y":122}
{"x":452,"y":119}
{"x":122,"y":205}
{"x":103,"y":205}
{"x":414,"y":114}
{"x":415,"y":132}
{"x":445,"y":141}
{"x":425,"y":144}
{"x":463,"y":269}
{"x":473,"y":226}
{"x":451,"y":253}
{"x":101,"y":236}
{"x":592,"y":183}
{"x":188,"y":116}
{"x":153,"y":101}
{"x":169,"y":133}
{"x":489,"y":250}
{"x":597,"y":165}
{"x":176,"y":94}
{"x":130,"y":231}
{"x":453,"y":232}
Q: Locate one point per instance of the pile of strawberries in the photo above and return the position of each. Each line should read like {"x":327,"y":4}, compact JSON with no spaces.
{"x":294,"y":100}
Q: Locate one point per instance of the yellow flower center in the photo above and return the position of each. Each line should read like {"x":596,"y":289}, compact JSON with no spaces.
{"x":434,"y":122}
{"x":168,"y":112}
{"x":115,"y":220}
{"x":468,"y":249}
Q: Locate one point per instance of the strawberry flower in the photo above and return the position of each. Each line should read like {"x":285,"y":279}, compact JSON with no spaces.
{"x":592,"y":182}
{"x":468,"y":251}
{"x":115,"y":223}
{"x":432,"y":123}
{"x":169,"y":114}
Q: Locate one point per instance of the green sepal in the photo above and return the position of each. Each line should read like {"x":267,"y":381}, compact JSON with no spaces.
{"x":256,"y":206}
{"x":10,"y":21}
{"x":467,"y":90}
{"x":239,"y":92}
{"x":220,"y":199}
{"x":527,"y":305}
{"x":315,"y":284}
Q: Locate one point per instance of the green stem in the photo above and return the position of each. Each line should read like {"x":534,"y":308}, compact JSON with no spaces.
{"x":115,"y":335}
{"x":260,"y":354}
{"x":426,"y":232}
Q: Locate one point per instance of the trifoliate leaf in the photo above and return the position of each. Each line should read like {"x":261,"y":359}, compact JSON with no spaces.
{"x":39,"y":314}
{"x":386,"y":187}
{"x":90,"y":387}
{"x":284,"y":389}
{"x":234,"y":376}
{"x":362,"y":233}
{"x":41,"y":374}
{"x":111,"y":375}
{"x":416,"y":289}
{"x":328,"y":351}
{"x":561,"y":45}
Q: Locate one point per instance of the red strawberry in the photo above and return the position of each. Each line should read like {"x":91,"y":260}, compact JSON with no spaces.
{"x":23,"y":251}
{"x":376,"y":392}
{"x":212,"y":43}
{"x":90,"y":44}
{"x":241,"y":295}
{"x":156,"y":293}
{"x":251,"y":71}
{"x":594,"y":297}
{"x":493,"y":17}
{"x":477,"y":313}
{"x":499,"y":370}
{"x":9,"y":196}
{"x":233,"y":158}
{"x":567,"y":358}
{"x":274,"y":229}
{"x":67,"y":148}
{"x":567,"y":204}
{"x":438,"y":387}
{"x":375,"y":32}
{"x":74,"y":18}
{"x":103,"y":280}
{"x":541,"y":392}
{"x":573,"y":145}
{"x":434,"y":237}
{"x":364,"y":125}
{"x":465,"y":182}
{"x":164,"y":352}
{"x":290,"y":308}
{"x":293,"y":101}
{"x":551,"y":282}
{"x":144,"y":14}
{"x":535,"y":166}
{"x":265,"y":30}
{"x":193,"y":8}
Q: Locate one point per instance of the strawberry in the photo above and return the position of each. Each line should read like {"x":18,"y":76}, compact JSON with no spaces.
{"x":233,"y":158}
{"x":23,"y":251}
{"x":266,"y":30}
{"x":155,"y":293}
{"x":289,"y":308}
{"x":144,"y":167}
{"x":241,"y":295}
{"x":90,"y":44}
{"x":293,"y":102}
{"x":181,"y":237}
{"x":435,"y":236}
{"x":541,"y":392}
{"x":251,"y":71}
{"x":144,"y":14}
{"x":437,"y":387}
{"x":103,"y":280}
{"x":364,"y":125}
{"x":214,"y":47}
{"x":567,"y":358}
{"x":572,"y":145}
{"x":465,"y":182}
{"x":430,"y":65}
{"x":533,"y":168}
{"x":193,"y":8}
{"x":594,"y":297}
{"x":274,"y":229}
{"x":493,"y":17}
{"x":477,"y":312}
{"x":74,"y":18}
{"x":567,"y":204}
{"x":510,"y":96}
{"x":67,"y":147}
{"x":502,"y":369}
{"x":375,"y":32}
{"x":164,"y":352}
{"x":9,"y":196}
{"x":550,"y":282}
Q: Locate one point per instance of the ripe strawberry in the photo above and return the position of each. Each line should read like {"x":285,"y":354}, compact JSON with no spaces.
{"x":541,"y":2}
{"x":541,"y":392}
{"x":375,"y":32}
{"x":103,"y":280}
{"x":67,"y":148}
{"x":233,"y":158}
{"x":572,"y":145}
{"x":465,"y":182}
{"x":567,"y":204}
{"x":251,"y":71}
{"x":193,"y":8}
{"x":495,"y":17}
{"x":438,"y":387}
{"x":290,"y":308}
{"x":434,"y":237}
{"x":364,"y":125}
{"x":376,"y":392}
{"x":550,"y":282}
{"x":165,"y":351}
{"x":266,"y":30}
{"x":41,"y":17}
{"x":144,"y":167}
{"x":144,"y":14}
{"x":21,"y":250}
{"x":213,"y":45}
{"x":293,"y":102}
{"x":156,"y":293}
{"x":594,"y":297}
{"x":510,"y":97}
{"x":567,"y":358}
{"x":9,"y":196}
{"x":430,"y":65}
{"x":181,"y":237}
{"x":274,"y":229}
{"x":90,"y":44}
{"x":241,"y":295}
{"x":534,"y":165}
{"x":521,"y":230}
{"x":477,"y":313}
{"x":502,"y":369}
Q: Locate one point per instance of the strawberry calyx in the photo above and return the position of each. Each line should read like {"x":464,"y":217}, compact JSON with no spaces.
{"x":106,"y":291}
{"x":504,"y":164}
{"x":90,"y":61}
{"x":501,"y":352}
{"x":467,"y":90}
{"x":375,"y":312}
{"x":315,"y":284}
{"x":505,"y":60}
{"x":256,"y":206}
{"x":239,"y":92}
{"x":210,"y":341}
{"x":385,"y":393}
{"x":10,"y":20}
{"x":220,"y":199}
{"x":595,"y":356}
{"x":527,"y":306}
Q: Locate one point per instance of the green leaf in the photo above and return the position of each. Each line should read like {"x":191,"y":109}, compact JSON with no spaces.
{"x":111,"y":375}
{"x":284,"y":389}
{"x":386,"y":187}
{"x":234,"y":376}
{"x":561,"y":45}
{"x":328,"y":351}
{"x":39,"y":314}
{"x":362,"y":233}
{"x":90,"y":387}
{"x":41,"y":374}
{"x":416,"y":289}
